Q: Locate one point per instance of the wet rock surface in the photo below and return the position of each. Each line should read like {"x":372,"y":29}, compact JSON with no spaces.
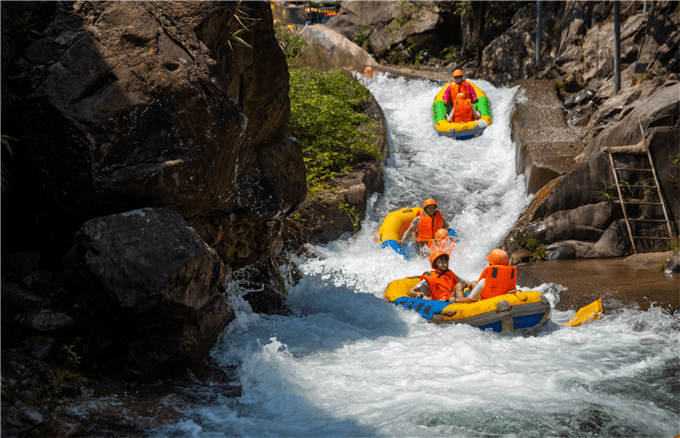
{"x":637,"y":281}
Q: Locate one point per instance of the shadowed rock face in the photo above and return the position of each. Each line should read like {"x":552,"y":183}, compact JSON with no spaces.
{"x":152,"y":285}
{"x":122,"y":105}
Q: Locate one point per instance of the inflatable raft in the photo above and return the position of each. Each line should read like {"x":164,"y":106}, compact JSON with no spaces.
{"x":395,"y":225}
{"x":461,"y":131}
{"x":501,"y":313}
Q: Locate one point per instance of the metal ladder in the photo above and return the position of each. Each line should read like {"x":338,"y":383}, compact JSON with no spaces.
{"x":641,"y":148}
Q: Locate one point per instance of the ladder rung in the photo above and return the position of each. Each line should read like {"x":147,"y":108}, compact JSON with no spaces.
{"x":633,"y":170}
{"x":639,"y":187}
{"x":651,"y":238}
{"x":642,"y":203}
{"x":647,"y":220}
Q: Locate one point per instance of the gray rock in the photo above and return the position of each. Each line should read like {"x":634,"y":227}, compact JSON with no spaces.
{"x":41,"y":347}
{"x":149,"y":269}
{"x":46,"y":321}
{"x":132,"y":97}
{"x":673,"y":265}
{"x":17,"y":299}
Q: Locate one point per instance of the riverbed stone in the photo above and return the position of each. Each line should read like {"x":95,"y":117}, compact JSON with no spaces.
{"x":673,"y":265}
{"x":123,"y":105}
{"x":155,"y":288}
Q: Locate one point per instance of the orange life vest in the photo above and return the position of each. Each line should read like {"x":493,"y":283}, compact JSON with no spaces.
{"x":429,"y":225}
{"x":441,"y":284}
{"x":445,"y":245}
{"x":455,"y":88}
{"x":462,"y":111}
{"x":498,"y":280}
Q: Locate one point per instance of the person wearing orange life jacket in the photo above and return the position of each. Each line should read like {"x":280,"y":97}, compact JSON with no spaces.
{"x":498,"y":278}
{"x":462,"y":111}
{"x":441,"y":283}
{"x":426,"y":225}
{"x":441,"y":241}
{"x":459,"y":86}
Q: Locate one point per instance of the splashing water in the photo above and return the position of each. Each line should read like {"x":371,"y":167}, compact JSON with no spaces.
{"x":347,"y":363}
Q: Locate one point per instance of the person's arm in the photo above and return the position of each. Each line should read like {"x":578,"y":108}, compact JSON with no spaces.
{"x":473,"y":95}
{"x":458,"y":296}
{"x":411,"y":229}
{"x":420,"y":290}
{"x":447,"y":95}
{"x":445,"y":223}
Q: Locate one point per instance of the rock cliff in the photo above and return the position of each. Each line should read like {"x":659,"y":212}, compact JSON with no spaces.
{"x":113,"y":107}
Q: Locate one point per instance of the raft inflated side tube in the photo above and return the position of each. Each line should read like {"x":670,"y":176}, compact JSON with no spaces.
{"x":461,"y":131}
{"x":394,"y":226}
{"x":511,"y":311}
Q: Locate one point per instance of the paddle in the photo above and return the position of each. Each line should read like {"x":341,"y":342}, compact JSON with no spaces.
{"x":591,"y":312}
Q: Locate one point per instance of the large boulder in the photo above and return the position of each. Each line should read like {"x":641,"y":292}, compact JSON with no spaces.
{"x":391,"y":27}
{"x":154,"y":289}
{"x":123,"y":105}
{"x":580,"y":216}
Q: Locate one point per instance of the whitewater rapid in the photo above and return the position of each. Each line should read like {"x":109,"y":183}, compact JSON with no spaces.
{"x":347,"y":363}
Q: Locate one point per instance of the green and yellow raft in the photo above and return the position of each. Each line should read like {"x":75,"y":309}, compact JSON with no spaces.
{"x":513,"y":311}
{"x":461,"y":131}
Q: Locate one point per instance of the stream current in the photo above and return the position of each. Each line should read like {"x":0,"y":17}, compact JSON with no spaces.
{"x":347,"y":363}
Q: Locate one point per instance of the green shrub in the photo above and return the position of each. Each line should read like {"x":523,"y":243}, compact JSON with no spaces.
{"x":327,"y":119}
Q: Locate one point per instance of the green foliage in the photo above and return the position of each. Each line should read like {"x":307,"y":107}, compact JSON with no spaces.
{"x":660,"y":266}
{"x":327,"y":119}
{"x":452,"y":52}
{"x":70,"y":354}
{"x":673,"y":245}
{"x":291,"y":41}
{"x":675,"y":169}
{"x":361,"y":36}
{"x":5,"y":143}
{"x":351,"y":213}
{"x":234,"y":39}
{"x":537,"y":251}
{"x":608,"y":194}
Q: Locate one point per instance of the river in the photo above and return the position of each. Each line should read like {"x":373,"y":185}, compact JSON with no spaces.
{"x":347,"y":363}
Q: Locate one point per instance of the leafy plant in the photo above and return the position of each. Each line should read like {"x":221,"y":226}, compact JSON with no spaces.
{"x":453,"y":53}
{"x":70,"y":354}
{"x":245,"y":22}
{"x":675,"y":169}
{"x":351,"y":213}
{"x":608,"y":194}
{"x":361,"y":36}
{"x":327,"y":119}
{"x":537,"y":251}
{"x":673,"y":245}
{"x":291,"y":41}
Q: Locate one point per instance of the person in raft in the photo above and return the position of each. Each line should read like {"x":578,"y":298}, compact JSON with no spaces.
{"x":441,"y":283}
{"x":459,"y":86}
{"x":426,"y":225}
{"x":498,"y":278}
{"x":463,"y":111}
{"x":441,"y":241}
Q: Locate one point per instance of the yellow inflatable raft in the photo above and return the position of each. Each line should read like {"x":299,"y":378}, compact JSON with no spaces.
{"x":395,"y":225}
{"x":461,"y":131}
{"x":502,"y":313}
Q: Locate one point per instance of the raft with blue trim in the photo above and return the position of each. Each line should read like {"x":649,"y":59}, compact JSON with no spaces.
{"x":466,"y":130}
{"x":512,"y":311}
{"x":395,"y":225}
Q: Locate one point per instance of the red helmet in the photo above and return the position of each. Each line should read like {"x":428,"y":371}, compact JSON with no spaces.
{"x":435,"y":255}
{"x":457,"y":73}
{"x":441,"y":234}
{"x":498,"y":257}
{"x":429,"y":202}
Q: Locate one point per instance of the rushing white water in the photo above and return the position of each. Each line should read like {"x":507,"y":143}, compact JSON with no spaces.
{"x":347,"y":363}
